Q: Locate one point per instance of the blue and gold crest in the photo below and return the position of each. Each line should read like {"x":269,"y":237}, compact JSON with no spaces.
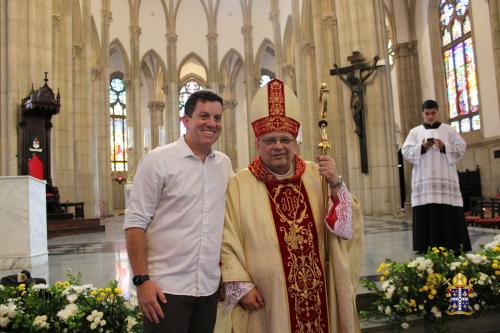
{"x":459,"y":293}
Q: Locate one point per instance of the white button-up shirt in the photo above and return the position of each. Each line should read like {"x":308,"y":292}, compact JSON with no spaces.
{"x":179,"y":200}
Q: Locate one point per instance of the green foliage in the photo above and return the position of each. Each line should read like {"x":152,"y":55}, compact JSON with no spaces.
{"x":68,"y":306}
{"x":419,"y":287}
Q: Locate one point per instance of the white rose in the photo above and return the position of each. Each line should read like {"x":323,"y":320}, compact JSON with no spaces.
{"x":476,"y":307}
{"x":405,"y":326}
{"x":388,"y":310}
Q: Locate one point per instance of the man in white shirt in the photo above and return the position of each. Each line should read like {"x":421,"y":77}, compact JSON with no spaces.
{"x":438,"y":217}
{"x":174,"y":221}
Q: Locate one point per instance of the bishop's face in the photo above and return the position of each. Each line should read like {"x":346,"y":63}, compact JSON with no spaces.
{"x":277,"y":149}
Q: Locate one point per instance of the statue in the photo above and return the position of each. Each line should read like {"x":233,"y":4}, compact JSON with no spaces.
{"x":355,"y":76}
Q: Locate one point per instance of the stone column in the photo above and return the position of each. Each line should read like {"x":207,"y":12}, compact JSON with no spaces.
{"x":495,"y":29}
{"x":156,"y":111}
{"x":325,"y":30}
{"x":172,"y":89}
{"x":274,"y":17}
{"x":309,"y":102}
{"x":364,"y":32}
{"x":133,"y":86}
{"x":410,"y":97}
{"x":250,"y":87}
{"x":229,"y":130}
{"x":213,"y":61}
{"x":105,"y":204}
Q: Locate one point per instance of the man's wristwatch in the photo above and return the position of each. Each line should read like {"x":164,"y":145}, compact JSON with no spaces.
{"x":139,"y":279}
{"x":339,"y":183}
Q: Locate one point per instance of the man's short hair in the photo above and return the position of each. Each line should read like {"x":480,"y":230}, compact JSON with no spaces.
{"x":200,"y":95}
{"x":429,"y":104}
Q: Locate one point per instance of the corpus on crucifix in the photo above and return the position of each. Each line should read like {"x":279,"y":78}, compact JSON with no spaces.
{"x":355,"y":76}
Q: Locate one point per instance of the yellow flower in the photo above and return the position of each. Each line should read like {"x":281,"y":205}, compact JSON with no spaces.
{"x":430,"y":296}
{"x":412,"y":303}
{"x":425,"y":288}
{"x":103,"y":295}
{"x":433,"y":292}
{"x":496,"y":249}
{"x":497,"y":272}
{"x":386,"y":273}
{"x":381,"y":267}
{"x":117,"y":291}
{"x":99,"y":299}
{"x":21,"y":287}
{"x":442,"y":248}
{"x":111,"y":296}
{"x":464,"y":263}
{"x":494,"y":266}
{"x":108,"y":290}
{"x":382,"y":278}
{"x":435,"y":249}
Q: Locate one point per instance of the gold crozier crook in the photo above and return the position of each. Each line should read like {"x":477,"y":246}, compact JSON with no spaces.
{"x":324,"y":147}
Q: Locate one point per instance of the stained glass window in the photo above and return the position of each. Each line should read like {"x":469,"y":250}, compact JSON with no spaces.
{"x":187,"y":89}
{"x":118,"y":122}
{"x":459,"y":64}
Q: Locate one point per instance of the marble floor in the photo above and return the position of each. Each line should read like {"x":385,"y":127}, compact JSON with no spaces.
{"x":101,"y":257}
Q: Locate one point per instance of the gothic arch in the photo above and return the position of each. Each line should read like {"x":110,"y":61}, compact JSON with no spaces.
{"x":192,"y":58}
{"x":262,"y":60}
{"x":230,"y":67}
{"x":117,"y":46}
{"x":155,"y":71}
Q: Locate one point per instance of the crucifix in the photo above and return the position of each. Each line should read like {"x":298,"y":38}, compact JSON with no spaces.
{"x":355,"y":76}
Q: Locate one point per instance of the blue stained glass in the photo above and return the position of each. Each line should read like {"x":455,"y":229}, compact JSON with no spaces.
{"x":117,"y":84}
{"x":112,"y":96}
{"x":465,"y":125}
{"x":461,"y":7}
{"x":446,"y":14}
{"x":123,"y":97}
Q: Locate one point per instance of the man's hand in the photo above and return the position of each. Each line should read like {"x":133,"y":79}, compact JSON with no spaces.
{"x":253,"y":300}
{"x":148,"y":295}
{"x":328,"y":169}
{"x":438,"y":144}
{"x":427,"y":144}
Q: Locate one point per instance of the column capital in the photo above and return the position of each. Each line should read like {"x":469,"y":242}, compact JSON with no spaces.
{"x":246,"y":30}
{"x":156,"y":106}
{"x":77,"y":50}
{"x":135,"y":31}
{"x":107,"y":16}
{"x":171,"y":37}
{"x":56,"y":21}
{"x":329,"y":19}
{"x":309,"y":48}
{"x":406,"y":49}
{"x":230,"y":104}
{"x":274,"y":15}
{"x":96,"y":72}
{"x":212,"y":36}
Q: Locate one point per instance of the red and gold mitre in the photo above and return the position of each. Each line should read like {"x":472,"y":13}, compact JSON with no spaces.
{"x":270,"y":107}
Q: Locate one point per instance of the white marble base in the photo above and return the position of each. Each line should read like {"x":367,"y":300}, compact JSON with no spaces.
{"x":23,"y":221}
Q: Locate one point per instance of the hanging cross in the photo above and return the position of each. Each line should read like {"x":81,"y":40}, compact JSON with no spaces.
{"x":355,"y":76}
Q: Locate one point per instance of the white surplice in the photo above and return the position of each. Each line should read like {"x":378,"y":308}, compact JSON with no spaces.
{"x":434,"y":175}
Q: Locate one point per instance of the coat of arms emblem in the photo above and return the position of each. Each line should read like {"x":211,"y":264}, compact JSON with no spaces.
{"x":459,"y":293}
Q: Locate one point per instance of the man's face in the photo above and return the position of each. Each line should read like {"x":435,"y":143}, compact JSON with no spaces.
{"x":430,"y":116}
{"x":277,"y":150}
{"x":204,"y":126}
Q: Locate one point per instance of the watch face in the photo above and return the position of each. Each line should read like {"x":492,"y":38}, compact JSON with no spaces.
{"x":139,"y":279}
